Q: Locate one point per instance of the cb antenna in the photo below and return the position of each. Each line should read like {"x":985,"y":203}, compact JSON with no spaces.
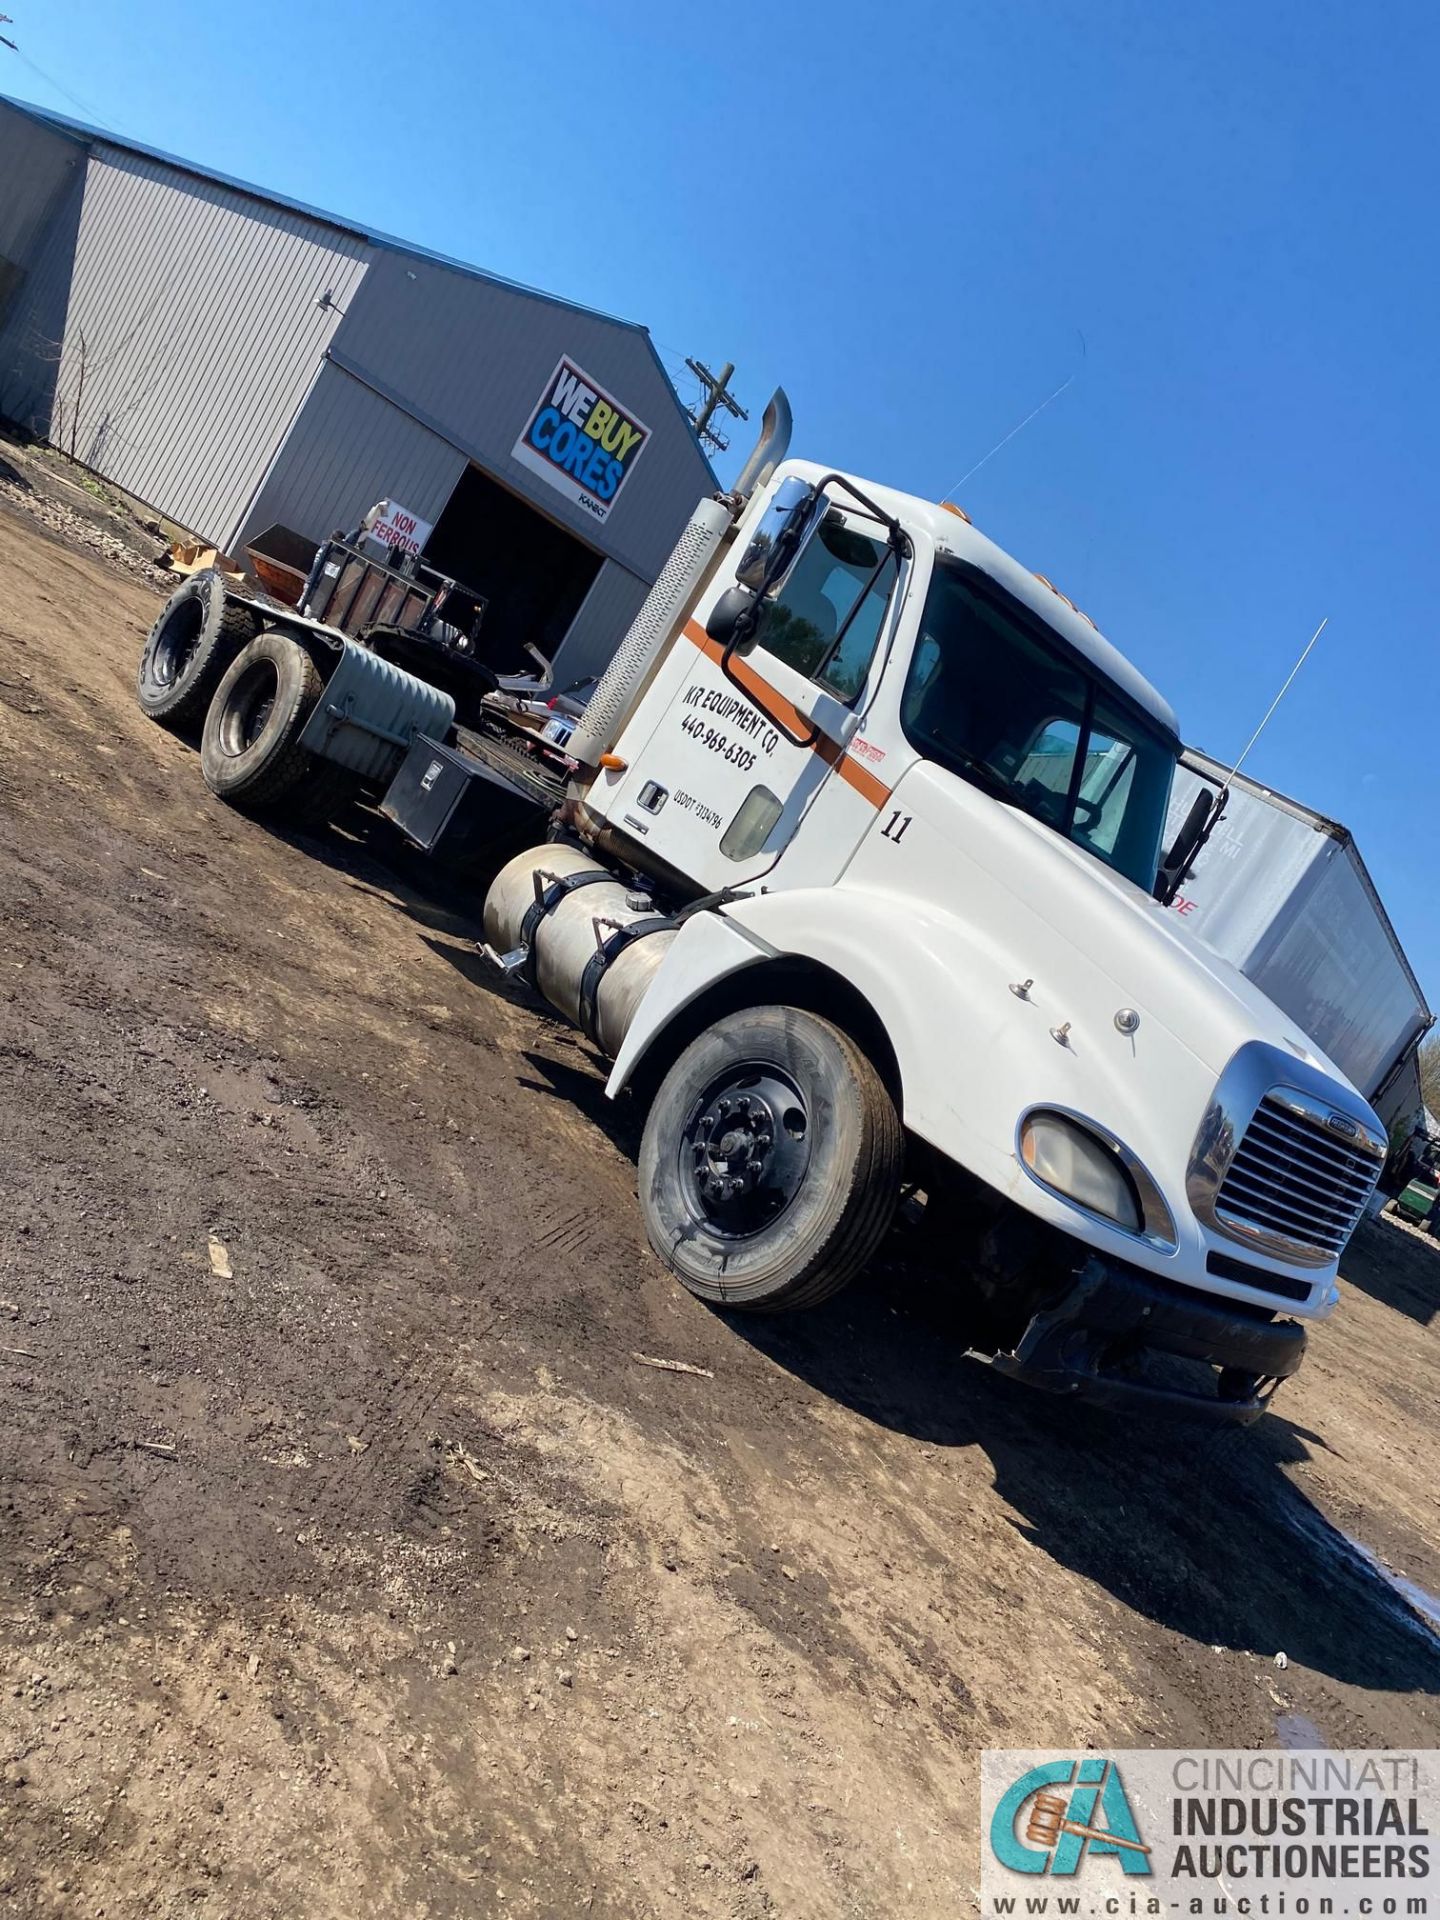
{"x":1274,"y":704}
{"x":1021,"y":425}
{"x":1196,"y":832}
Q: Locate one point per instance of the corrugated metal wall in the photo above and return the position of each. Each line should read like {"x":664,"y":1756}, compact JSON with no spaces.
{"x":433,"y":367}
{"x":349,"y":449}
{"x":193,"y":334}
{"x":36,"y":166}
{"x":190,"y":362}
{"x":43,"y":175}
{"x":473,"y":355}
{"x":352,"y":447}
{"x":611,"y":604}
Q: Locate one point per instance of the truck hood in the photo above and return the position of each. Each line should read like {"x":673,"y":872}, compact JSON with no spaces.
{"x":1154,"y":964}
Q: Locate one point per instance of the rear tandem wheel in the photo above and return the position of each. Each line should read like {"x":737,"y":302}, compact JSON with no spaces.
{"x":250,"y":754}
{"x":199,"y":632}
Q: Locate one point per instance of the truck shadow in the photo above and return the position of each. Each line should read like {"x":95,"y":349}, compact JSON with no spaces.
{"x":375,"y":860}
{"x":1398,"y":1267}
{"x":1200,"y":1531}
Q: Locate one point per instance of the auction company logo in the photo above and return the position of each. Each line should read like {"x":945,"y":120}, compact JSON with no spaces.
{"x":1060,"y":1829}
{"x":581,"y":440}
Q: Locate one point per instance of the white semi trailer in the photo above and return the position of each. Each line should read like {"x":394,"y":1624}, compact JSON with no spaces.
{"x":859,"y":881}
{"x":1282,"y":892}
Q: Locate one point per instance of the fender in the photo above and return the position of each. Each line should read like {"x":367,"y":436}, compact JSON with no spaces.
{"x":974,"y":1056}
{"x":708,"y":949}
{"x":370,"y":712}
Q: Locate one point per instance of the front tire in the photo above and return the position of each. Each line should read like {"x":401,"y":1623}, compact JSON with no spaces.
{"x":771,"y":1160}
{"x":199,"y":632}
{"x":250,"y":754}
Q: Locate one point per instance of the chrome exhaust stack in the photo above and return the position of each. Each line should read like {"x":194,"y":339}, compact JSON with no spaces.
{"x":624,"y":681}
{"x":771,"y":448}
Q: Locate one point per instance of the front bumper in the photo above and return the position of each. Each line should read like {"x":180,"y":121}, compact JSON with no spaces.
{"x":1113,"y":1323}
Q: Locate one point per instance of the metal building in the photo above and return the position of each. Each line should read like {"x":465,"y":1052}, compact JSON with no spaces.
{"x":236,"y":360}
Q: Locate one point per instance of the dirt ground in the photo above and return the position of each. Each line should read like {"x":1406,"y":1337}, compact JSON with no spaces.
{"x":351,"y":1561}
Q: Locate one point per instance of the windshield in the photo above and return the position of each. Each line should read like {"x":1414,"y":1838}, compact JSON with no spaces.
{"x":999,"y":698}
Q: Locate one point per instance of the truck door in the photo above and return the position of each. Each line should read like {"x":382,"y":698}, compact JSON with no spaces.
{"x":733,"y":753}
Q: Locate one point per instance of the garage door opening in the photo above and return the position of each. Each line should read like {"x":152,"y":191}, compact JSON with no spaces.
{"x":532,"y":573}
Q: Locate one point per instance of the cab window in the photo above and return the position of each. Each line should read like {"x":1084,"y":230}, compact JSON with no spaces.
{"x":833,"y":579}
{"x":1006,"y":703}
{"x":1121,"y":790}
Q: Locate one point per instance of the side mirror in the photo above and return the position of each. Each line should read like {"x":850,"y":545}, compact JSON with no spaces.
{"x":786,"y":526}
{"x":729,"y":614}
{"x":1202,"y":818}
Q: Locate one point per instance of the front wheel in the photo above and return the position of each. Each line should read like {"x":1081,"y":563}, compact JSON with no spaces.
{"x":771,"y":1159}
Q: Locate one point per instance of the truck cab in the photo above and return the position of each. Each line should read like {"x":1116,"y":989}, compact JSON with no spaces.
{"x":879,"y":647}
{"x":858,"y":880}
{"x":882,"y":773}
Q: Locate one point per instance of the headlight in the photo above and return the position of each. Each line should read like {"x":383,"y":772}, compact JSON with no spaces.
{"x":1078,"y":1164}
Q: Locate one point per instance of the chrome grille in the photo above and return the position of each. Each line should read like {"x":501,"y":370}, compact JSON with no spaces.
{"x":1294,"y":1184}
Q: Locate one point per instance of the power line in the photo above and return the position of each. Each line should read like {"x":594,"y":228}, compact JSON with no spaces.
{"x":85,"y":106}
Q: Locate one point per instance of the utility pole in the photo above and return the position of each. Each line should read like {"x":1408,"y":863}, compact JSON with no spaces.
{"x":717,"y":394}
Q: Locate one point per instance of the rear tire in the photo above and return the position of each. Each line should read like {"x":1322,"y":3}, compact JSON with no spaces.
{"x":770,"y":1164}
{"x":250,"y":754}
{"x":199,"y":632}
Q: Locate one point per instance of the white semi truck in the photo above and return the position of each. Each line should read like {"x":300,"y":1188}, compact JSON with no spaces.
{"x":858,"y":880}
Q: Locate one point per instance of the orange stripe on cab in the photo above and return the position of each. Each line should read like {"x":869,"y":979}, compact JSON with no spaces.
{"x":775,"y":706}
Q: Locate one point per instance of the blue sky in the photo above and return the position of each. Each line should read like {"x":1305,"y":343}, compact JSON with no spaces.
{"x":922,"y":219}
